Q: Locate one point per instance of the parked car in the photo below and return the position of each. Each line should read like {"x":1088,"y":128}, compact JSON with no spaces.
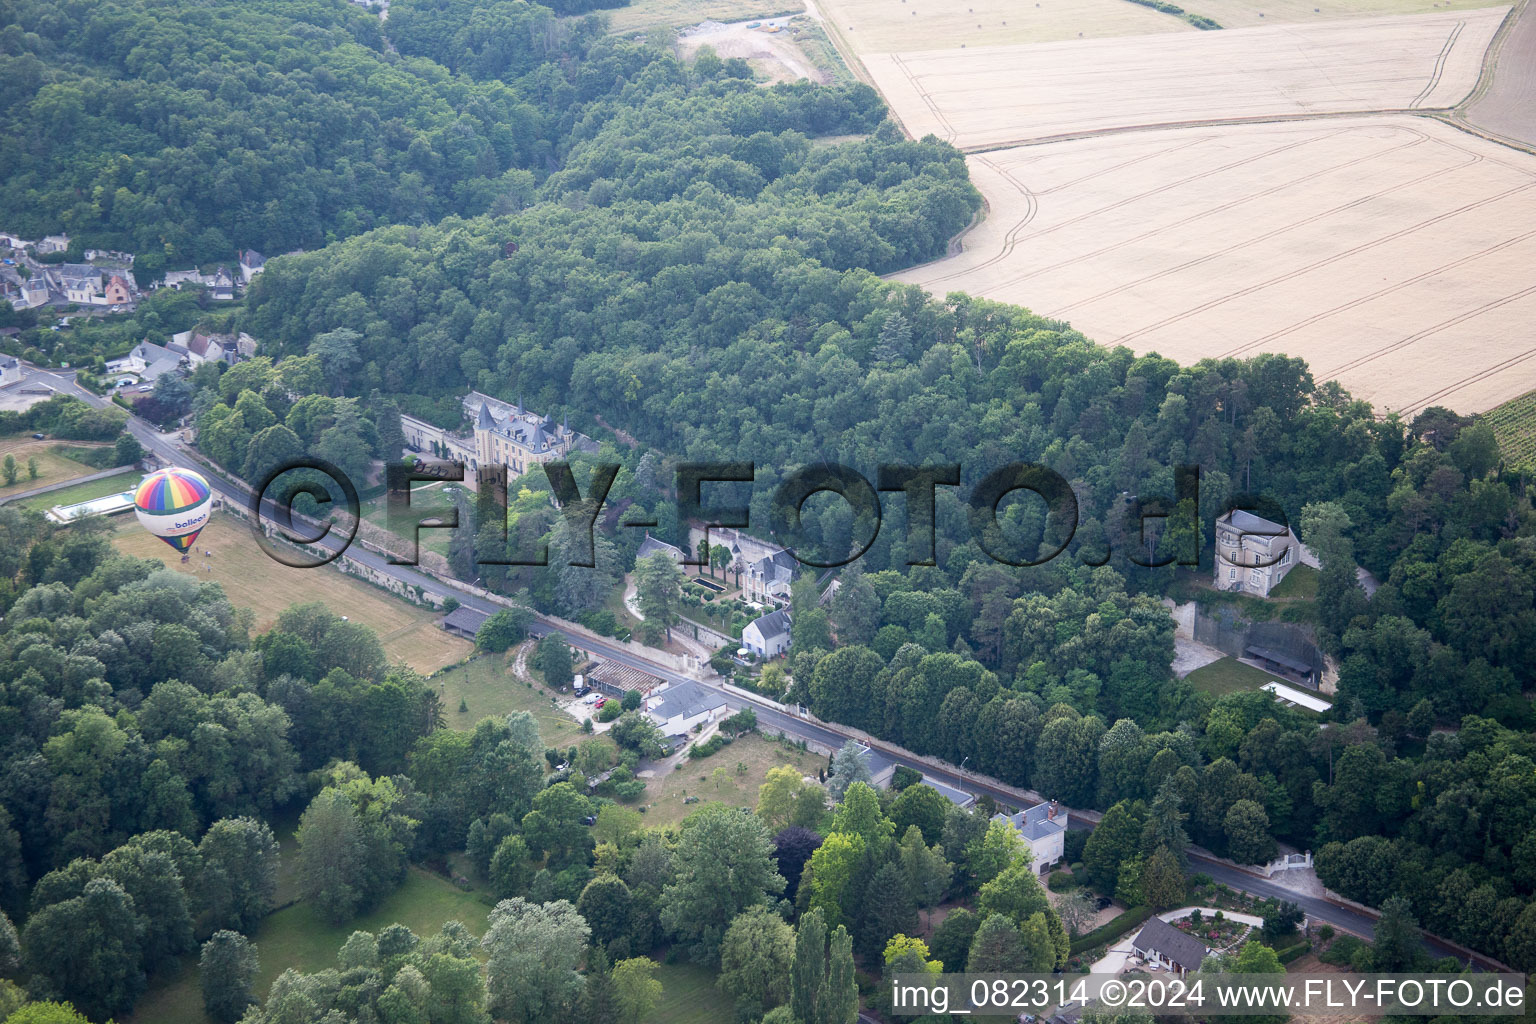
{"x":39,"y":437}
{"x":145,"y":389}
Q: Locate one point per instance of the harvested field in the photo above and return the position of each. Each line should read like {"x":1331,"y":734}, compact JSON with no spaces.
{"x":989,"y":97}
{"x":1392,"y":253}
{"x":887,"y":26}
{"x":253,"y":580}
{"x":1507,"y":107}
{"x":1248,"y":13}
{"x":53,"y":463}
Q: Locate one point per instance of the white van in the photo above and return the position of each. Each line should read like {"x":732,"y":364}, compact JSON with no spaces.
{"x":579,"y":684}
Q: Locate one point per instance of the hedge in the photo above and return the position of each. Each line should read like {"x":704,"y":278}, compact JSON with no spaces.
{"x":1295,"y":952}
{"x":1113,"y":930}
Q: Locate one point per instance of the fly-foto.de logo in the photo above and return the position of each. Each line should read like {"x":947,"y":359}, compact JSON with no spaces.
{"x":914,"y":489}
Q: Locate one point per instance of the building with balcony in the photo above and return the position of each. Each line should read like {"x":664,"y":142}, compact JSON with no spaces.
{"x":1253,"y":554}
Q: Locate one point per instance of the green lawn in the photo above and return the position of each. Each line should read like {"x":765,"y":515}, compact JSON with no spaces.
{"x":1227,"y":676}
{"x":488,"y":688}
{"x":297,"y":937}
{"x":80,"y":492}
{"x":689,"y":996}
{"x":425,"y":503}
{"x":1300,"y":584}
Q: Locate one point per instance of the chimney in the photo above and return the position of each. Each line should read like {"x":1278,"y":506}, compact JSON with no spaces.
{"x":1050,"y":812}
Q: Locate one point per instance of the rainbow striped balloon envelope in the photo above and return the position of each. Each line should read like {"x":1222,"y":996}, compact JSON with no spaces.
{"x":174,"y":505}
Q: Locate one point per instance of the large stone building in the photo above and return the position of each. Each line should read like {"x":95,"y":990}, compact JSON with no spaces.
{"x":1252,"y":554}
{"x":502,"y":435}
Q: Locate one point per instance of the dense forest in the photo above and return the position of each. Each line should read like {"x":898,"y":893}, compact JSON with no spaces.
{"x":183,"y":133}
{"x":699,"y":273}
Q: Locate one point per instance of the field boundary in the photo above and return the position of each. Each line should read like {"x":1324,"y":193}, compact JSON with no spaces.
{"x":1436,"y":113}
{"x":62,"y":484}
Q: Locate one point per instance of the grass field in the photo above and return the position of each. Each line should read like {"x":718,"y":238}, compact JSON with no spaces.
{"x":253,"y":580}
{"x":689,"y":996}
{"x":1374,"y":248}
{"x":80,"y":492}
{"x":1514,"y":424}
{"x":53,"y":465}
{"x":1300,"y":584}
{"x":298,"y":938}
{"x":1227,"y":676}
{"x":489,"y":688}
{"x":425,"y":502}
{"x":737,"y":788}
{"x":643,"y":14}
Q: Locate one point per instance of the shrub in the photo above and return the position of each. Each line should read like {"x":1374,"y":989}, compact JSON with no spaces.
{"x":1343,"y":952}
{"x":1295,"y":952}
{"x":709,"y":746}
{"x":1113,"y":930}
{"x":608,"y":712}
{"x":1325,"y":932}
{"x":1060,"y":881}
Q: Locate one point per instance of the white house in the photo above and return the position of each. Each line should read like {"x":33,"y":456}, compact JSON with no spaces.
{"x":1160,"y":944}
{"x":1043,"y":828}
{"x":80,"y":283}
{"x":53,"y":243}
{"x":651,"y":546}
{"x":1252,"y":554}
{"x":221,"y":286}
{"x":682,"y":706}
{"x":10,"y":370}
{"x":148,"y":360}
{"x":251,"y":264}
{"x":176,"y":278}
{"x":768,"y":635}
{"x":199,"y":347}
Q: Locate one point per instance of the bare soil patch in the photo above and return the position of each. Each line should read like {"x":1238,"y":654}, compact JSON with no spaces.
{"x":768,"y":45}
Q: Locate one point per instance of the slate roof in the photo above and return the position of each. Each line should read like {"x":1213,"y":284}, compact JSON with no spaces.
{"x":958,"y":797}
{"x":775,"y":623}
{"x":1180,"y":947}
{"x":686,"y":699}
{"x":1249,"y":523}
{"x":1035,"y":823}
{"x":465,"y":619}
{"x":651,"y":546}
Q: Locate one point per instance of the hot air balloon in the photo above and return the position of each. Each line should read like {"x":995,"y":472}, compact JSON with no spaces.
{"x":173,"y":504}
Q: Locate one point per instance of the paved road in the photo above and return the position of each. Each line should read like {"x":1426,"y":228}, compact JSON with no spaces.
{"x":1343,"y":918}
